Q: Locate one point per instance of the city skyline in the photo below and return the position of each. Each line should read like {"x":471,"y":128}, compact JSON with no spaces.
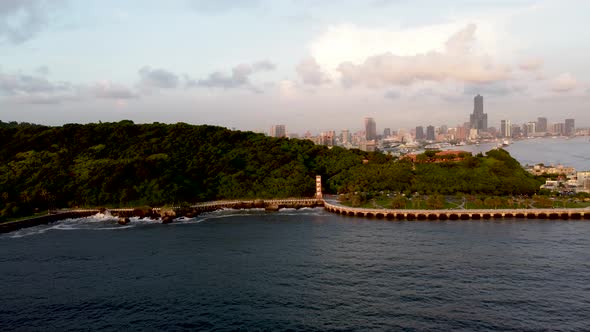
{"x":317,"y":66}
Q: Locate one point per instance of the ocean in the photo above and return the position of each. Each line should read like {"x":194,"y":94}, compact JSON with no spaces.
{"x":297,"y":270}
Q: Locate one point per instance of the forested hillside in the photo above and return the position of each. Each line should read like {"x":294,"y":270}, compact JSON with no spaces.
{"x":124,"y":164}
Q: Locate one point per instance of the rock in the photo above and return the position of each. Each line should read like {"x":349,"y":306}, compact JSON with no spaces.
{"x":271,"y":207}
{"x":123,"y":221}
{"x":259,"y":203}
{"x":167,"y":220}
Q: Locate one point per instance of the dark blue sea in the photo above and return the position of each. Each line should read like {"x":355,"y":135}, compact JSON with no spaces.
{"x":304,"y":270}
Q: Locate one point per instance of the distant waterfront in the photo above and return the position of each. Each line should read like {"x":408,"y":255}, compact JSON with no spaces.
{"x":573,"y":152}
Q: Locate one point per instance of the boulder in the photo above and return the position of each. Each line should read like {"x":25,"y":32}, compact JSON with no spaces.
{"x":123,"y":221}
{"x":272,"y":207}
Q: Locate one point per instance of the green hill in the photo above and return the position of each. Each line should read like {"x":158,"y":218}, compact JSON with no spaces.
{"x":126,"y":164}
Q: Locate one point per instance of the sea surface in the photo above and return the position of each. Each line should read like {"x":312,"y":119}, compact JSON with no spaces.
{"x":574,"y":152}
{"x":305,"y":270}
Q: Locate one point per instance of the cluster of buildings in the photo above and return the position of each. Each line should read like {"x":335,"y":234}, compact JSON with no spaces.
{"x":474,"y":131}
{"x":564,"y":179}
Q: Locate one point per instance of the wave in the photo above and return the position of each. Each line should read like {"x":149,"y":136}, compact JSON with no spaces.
{"x":107,"y":222}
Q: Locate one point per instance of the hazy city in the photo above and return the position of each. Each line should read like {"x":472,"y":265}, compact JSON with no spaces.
{"x":294,"y":165}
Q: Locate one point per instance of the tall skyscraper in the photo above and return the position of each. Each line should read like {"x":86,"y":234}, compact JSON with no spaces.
{"x":505,"y":128}
{"x":478,"y":120}
{"x":419,"y":133}
{"x":386,"y":132}
{"x":278,"y":131}
{"x":430,"y":133}
{"x":345,"y":136}
{"x":541,"y":125}
{"x":531,"y":128}
{"x":570,"y":127}
{"x":370,"y":129}
{"x":559,"y":128}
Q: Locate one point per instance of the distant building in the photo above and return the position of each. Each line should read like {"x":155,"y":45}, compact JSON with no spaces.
{"x":386,"y":132}
{"x":541,"y":125}
{"x":479,"y":119}
{"x":345,"y":136}
{"x":570,"y":127}
{"x":278,"y":131}
{"x":505,"y":128}
{"x":327,"y":138}
{"x":370,"y":129}
{"x":430,"y":133}
{"x":559,"y":128}
{"x":531,"y":128}
{"x":419,"y":133}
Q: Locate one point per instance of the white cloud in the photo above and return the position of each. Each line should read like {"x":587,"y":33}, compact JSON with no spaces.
{"x":564,"y":83}
{"x":455,"y":62}
{"x":311,"y":73}
{"x":532,"y":64}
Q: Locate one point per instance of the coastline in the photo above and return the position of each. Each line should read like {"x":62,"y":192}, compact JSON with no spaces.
{"x":167,"y":215}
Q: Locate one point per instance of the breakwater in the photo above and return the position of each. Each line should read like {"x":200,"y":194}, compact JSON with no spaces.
{"x":165,"y":215}
{"x":572,"y":213}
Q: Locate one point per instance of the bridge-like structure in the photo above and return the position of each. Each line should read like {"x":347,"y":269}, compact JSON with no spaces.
{"x":268,"y":204}
{"x":561,"y":213}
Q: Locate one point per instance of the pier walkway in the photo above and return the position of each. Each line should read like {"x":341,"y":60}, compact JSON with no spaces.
{"x":581,"y":213}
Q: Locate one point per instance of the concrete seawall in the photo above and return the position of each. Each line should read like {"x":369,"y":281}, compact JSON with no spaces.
{"x":459,"y":214}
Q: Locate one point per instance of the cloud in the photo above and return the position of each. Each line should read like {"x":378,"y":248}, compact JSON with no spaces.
{"x":532,"y":64}
{"x":21,"y":20}
{"x":18,"y":84}
{"x":311,"y":73}
{"x":564,"y":83}
{"x":494,"y":88}
{"x":30,"y":89}
{"x":221,"y":6}
{"x":42,"y":70}
{"x":392,"y":94}
{"x":45,"y":99}
{"x":154,"y":79}
{"x":109,"y":90}
{"x":455,"y":62}
{"x":239,"y":77}
{"x":264,"y":65}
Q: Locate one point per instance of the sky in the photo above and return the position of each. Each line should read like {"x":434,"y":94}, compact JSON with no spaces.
{"x":311,"y":65}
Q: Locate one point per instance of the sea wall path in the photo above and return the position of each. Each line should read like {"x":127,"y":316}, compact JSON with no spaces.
{"x":568,"y":213}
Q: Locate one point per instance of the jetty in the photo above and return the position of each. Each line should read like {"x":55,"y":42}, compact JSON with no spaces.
{"x":400,"y":214}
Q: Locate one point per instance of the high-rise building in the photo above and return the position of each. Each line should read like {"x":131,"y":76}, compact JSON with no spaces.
{"x":386,"y":132}
{"x":278,"y":131}
{"x":559,"y":129}
{"x":370,"y":129}
{"x":345,"y":136}
{"x":479,"y":119}
{"x":570,"y":127}
{"x":419,"y":133}
{"x":430,"y":133}
{"x":531,"y":128}
{"x":327,"y":138}
{"x":505,"y":128}
{"x":541,"y":125}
